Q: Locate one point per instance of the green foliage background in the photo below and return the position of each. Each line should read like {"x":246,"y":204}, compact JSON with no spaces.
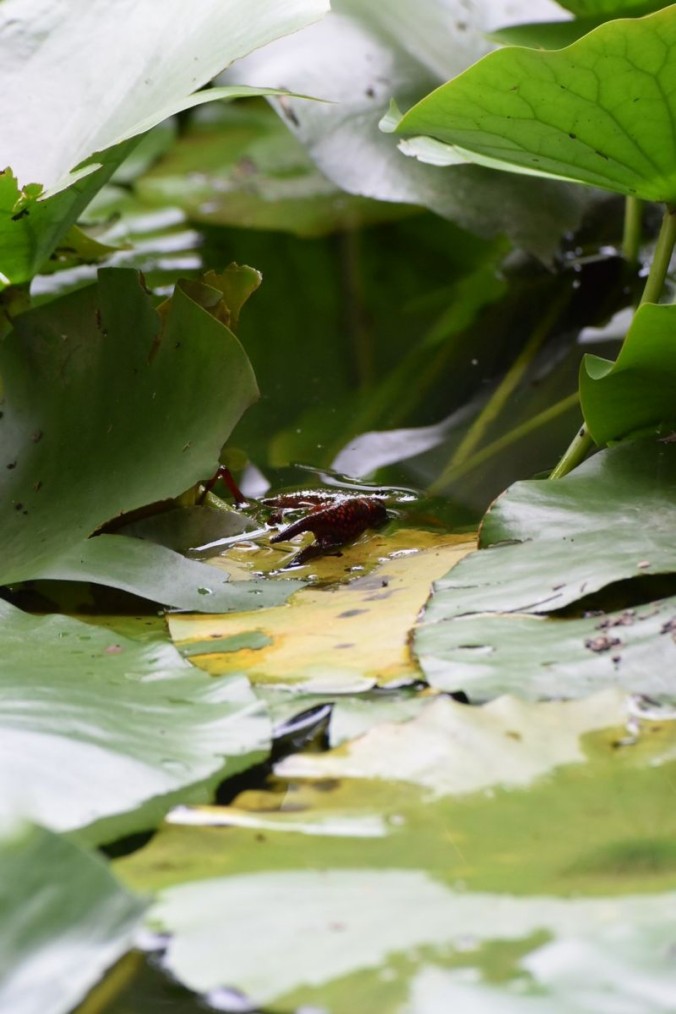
{"x":442,"y":304}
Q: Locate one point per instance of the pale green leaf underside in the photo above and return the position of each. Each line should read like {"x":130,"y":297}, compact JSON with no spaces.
{"x":601,"y":112}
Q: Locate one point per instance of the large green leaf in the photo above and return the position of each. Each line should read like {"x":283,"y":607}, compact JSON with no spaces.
{"x":99,"y":413}
{"x":64,"y":920}
{"x":636,"y":391}
{"x":600,"y":112}
{"x":102,"y":733}
{"x":360,"y":56}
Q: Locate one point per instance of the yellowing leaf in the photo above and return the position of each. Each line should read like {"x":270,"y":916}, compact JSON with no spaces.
{"x":345,"y":638}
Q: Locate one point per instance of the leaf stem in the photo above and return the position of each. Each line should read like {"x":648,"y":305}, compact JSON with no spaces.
{"x":575,"y":453}
{"x":661,"y":258}
{"x":497,"y":402}
{"x":354,"y":308}
{"x":506,"y":440}
{"x":631,"y":238}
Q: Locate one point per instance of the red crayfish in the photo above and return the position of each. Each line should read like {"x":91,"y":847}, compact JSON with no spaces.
{"x":334,"y":518}
{"x":334,"y":521}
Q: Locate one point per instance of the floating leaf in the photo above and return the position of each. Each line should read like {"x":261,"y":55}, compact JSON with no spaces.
{"x":104,"y":733}
{"x":546,"y":544}
{"x":337,"y":934}
{"x":65,"y":920}
{"x":600,"y":112}
{"x":538,"y":657}
{"x":492,"y":859}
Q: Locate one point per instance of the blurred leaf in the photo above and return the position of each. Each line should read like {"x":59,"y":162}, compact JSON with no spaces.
{"x":65,"y":920}
{"x":359,"y":57}
{"x":449,"y":748}
{"x":102,"y":733}
{"x":637,"y":391}
{"x":341,"y":939}
{"x":597,"y":113}
{"x":167,"y":58}
{"x":102,"y":355}
{"x":476,"y":874}
{"x":558,"y":34}
{"x":158,"y":243}
{"x":298,"y":718}
{"x":243,"y":167}
{"x":342,"y":641}
{"x":545,"y":34}
{"x":67,"y":128}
